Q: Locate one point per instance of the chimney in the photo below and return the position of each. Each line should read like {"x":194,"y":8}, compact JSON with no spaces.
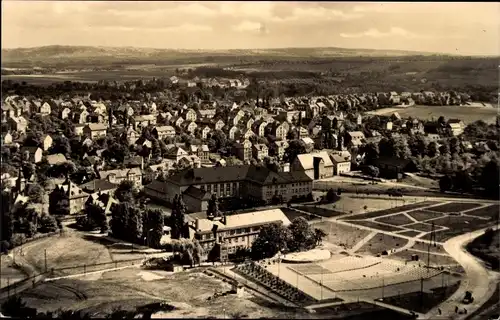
{"x":197,"y":224}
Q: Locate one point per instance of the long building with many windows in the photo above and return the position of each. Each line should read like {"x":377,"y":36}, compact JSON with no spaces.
{"x":253,"y":182}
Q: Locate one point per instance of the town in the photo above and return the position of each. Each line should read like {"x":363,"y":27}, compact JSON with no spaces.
{"x":311,"y":182}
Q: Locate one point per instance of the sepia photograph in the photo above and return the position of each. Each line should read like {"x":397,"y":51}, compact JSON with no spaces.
{"x":250,"y":159}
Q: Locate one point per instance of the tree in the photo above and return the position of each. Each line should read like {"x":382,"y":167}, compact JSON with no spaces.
{"x":489,"y":178}
{"x":371,"y":152}
{"x":35,"y":193}
{"x":178,"y":217}
{"x":445,"y":183}
{"x":213,"y":207}
{"x":319,"y":235}
{"x":302,"y":237}
{"x":153,"y":223}
{"x":372,"y":171}
{"x":61,"y":145}
{"x":126,"y":222}
{"x":295,"y":147}
{"x":417,"y":145}
{"x":432,"y":149}
{"x":125,"y":192}
{"x":7,"y":226}
{"x":95,"y":218}
{"x":47,"y":223}
{"x":14,"y":307}
{"x":331,"y":196}
{"x":271,"y":239}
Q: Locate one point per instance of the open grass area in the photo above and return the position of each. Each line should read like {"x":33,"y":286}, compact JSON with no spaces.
{"x":341,"y":235}
{"x":359,"y":311}
{"x":9,"y":273}
{"x":422,"y":302}
{"x":320,"y":211}
{"x":396,"y":220}
{"x":291,"y":214}
{"x":375,"y":225}
{"x":410,"y":233}
{"x":467,"y":114}
{"x":491,"y":211}
{"x":455,"y":207}
{"x":357,"y":205}
{"x":433,"y":248}
{"x":376,"y":214}
{"x":420,"y":226}
{"x":434,"y":259}
{"x":422,"y":215}
{"x":382,"y":242}
{"x":188,"y":292}
{"x":458,"y":225}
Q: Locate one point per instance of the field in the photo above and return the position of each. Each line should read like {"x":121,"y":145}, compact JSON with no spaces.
{"x":397,"y":220}
{"x":341,"y":235}
{"x":491,"y":211}
{"x":422,"y":215}
{"x":467,"y":114}
{"x":424,"y":302}
{"x":455,"y":207}
{"x":371,"y":224}
{"x":382,"y":242}
{"x":356,"y":205}
{"x":376,"y":214}
{"x":434,"y":259}
{"x":319,"y":211}
{"x":128,"y":288}
{"x":9,"y":273}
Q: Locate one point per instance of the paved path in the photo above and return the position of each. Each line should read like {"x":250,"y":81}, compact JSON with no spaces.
{"x":479,"y":280}
{"x":89,"y":273}
{"x":362,"y":242}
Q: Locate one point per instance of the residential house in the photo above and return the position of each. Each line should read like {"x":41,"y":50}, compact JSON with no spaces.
{"x":190,"y":115}
{"x":219,"y":124}
{"x":233,"y":132}
{"x":237,"y":232}
{"x":95,"y":130}
{"x":65,"y":113}
{"x":70,"y":192}
{"x":243,"y":150}
{"x":394,"y":98}
{"x":277,"y":148}
{"x":259,"y":127}
{"x":196,"y":200}
{"x":308,"y":143}
{"x":131,"y":135}
{"x":79,"y":129}
{"x":118,"y":175}
{"x":162,"y":132}
{"x":315,"y":165}
{"x":103,"y":186}
{"x":355,"y":139}
{"x":260,"y":151}
{"x":6,"y":138}
{"x":177,"y":121}
{"x":176,"y":153}
{"x":202,"y":152}
{"x":143,"y":121}
{"x":18,"y":124}
{"x":55,"y":159}
{"x":46,"y":142}
{"x":32,"y":154}
{"x":341,"y":162}
{"x":189,"y":126}
{"x":206,"y":113}
{"x":81,"y":116}
{"x":45,"y":109}
{"x":456,"y":126}
{"x":205,"y":132}
{"x":279,"y":130}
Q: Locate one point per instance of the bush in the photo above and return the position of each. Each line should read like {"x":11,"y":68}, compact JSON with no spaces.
{"x":4,"y":246}
{"x":17,"y":239}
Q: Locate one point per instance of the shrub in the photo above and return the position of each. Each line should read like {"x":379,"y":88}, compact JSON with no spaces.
{"x":4,"y":246}
{"x":17,"y":239}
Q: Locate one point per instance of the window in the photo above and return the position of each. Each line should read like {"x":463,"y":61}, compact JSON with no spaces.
{"x":247,"y":230}
{"x":228,"y":187}
{"x":209,"y":188}
{"x":232,"y":232}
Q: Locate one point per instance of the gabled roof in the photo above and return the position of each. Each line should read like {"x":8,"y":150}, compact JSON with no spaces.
{"x":307,"y":159}
{"x":197,"y":193}
{"x":97,"y":126}
{"x":57,"y":158}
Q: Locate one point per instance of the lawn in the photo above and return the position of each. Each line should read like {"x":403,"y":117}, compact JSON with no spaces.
{"x":341,"y":235}
{"x":434,"y":259}
{"x":291,"y":214}
{"x":424,"y":302}
{"x":375,"y":225}
{"x":187,"y":291}
{"x":319,"y":211}
{"x":423,"y":246}
{"x":9,"y":273}
{"x":397,"y":220}
{"x":423,"y":227}
{"x":376,"y":214}
{"x":422,"y":215}
{"x":410,"y":233}
{"x":357,"y":205}
{"x":491,"y":211}
{"x":382,"y":242}
{"x":455,"y":207}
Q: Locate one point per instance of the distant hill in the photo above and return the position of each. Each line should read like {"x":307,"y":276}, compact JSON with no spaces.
{"x":50,"y":55}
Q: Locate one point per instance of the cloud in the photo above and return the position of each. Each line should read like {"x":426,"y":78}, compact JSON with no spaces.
{"x":393,"y":32}
{"x":317,"y":14}
{"x":249,"y":26}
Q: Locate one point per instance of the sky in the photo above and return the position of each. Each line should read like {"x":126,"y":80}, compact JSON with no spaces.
{"x":462,"y":28}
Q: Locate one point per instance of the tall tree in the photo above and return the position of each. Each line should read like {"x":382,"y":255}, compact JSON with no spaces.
{"x":272,"y":238}
{"x":125,"y":192}
{"x":152,"y":230}
{"x":302,"y":236}
{"x":178,"y":217}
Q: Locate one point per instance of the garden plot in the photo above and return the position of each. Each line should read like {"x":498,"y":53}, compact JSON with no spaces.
{"x":292,"y":214}
{"x":423,"y":215}
{"x":357,"y":205}
{"x":396,"y":220}
{"x":374,"y":225}
{"x":455,"y":207}
{"x":458,"y":225}
{"x":382,"y":242}
{"x":491,"y":211}
{"x":376,"y":214}
{"x":340,"y":234}
{"x":422,"y":227}
{"x":319,"y":211}
{"x":410,"y":233}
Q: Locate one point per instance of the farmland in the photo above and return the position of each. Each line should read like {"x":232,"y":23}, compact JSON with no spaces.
{"x":467,"y":114}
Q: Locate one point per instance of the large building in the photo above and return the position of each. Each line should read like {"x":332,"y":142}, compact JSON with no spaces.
{"x":235,"y":231}
{"x":248,"y":181}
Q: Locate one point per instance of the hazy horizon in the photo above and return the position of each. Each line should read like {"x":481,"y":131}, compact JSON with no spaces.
{"x":440,"y":28}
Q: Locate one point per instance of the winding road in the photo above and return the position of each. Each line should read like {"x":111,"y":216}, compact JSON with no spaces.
{"x":479,"y":280}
